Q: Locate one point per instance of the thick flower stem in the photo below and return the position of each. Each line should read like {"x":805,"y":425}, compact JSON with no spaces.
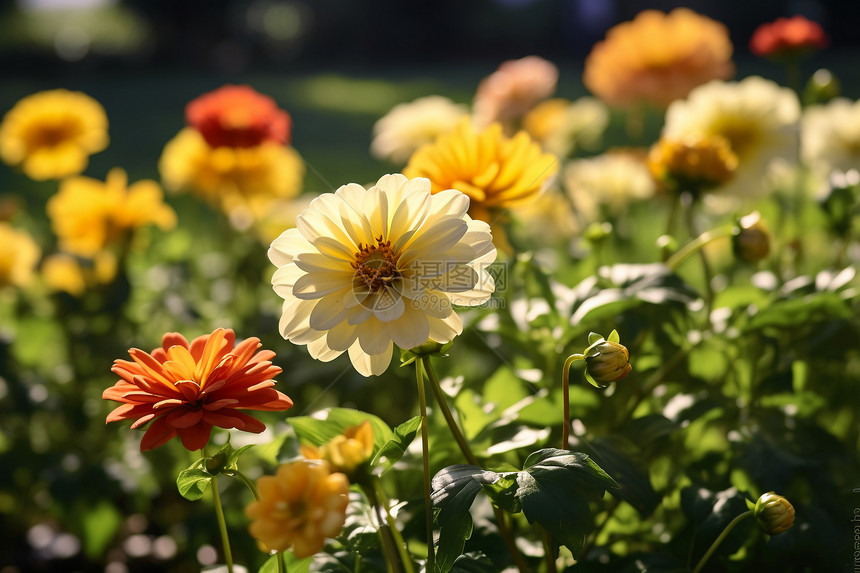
{"x":222,"y":525}
{"x":425,"y":438}
{"x":696,"y":245}
{"x":565,"y":395}
{"x":720,"y":539}
{"x":504,"y":529}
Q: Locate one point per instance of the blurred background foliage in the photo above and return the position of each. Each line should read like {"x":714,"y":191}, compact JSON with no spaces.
{"x":764,"y":400}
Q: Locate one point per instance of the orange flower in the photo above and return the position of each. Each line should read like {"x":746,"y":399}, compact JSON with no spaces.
{"x":299,"y":507}
{"x":658,"y":58}
{"x":185,"y":389}
{"x":238,"y":116}
{"x":787,"y":38}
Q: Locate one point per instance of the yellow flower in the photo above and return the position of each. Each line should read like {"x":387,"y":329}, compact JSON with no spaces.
{"x":299,"y":507}
{"x":365,"y":269}
{"x":19,"y":255}
{"x":346,"y":452}
{"x":757,"y":117}
{"x":561,"y":126}
{"x":241,"y":181}
{"x":67,"y":273}
{"x":51,"y":134}
{"x":658,"y":58}
{"x":774,"y":514}
{"x":609,"y":181}
{"x":547,"y":219}
{"x":692,"y":164}
{"x":495,"y":172}
{"x":408,"y":126}
{"x":87,"y":215}
{"x":830,"y":136}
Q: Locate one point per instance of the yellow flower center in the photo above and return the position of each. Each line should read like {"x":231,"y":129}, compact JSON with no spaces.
{"x":376,"y":265}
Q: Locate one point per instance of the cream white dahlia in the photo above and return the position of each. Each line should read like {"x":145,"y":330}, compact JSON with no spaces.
{"x":366,"y":269}
{"x":756,"y":116}
{"x":830,"y":136}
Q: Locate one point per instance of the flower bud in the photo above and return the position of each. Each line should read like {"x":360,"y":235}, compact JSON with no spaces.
{"x":752,"y":241}
{"x":773,"y":513}
{"x":607,"y":361}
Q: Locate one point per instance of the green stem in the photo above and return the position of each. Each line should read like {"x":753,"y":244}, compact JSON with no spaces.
{"x":549,"y":559}
{"x":402,"y":548}
{"x":222,"y":525}
{"x":504,"y":529}
{"x":565,"y":391}
{"x":720,"y":539}
{"x":696,"y":245}
{"x":425,"y":439}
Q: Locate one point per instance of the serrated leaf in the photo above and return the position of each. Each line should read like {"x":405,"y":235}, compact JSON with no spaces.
{"x":317,"y":432}
{"x":453,"y":491}
{"x":394,"y":449}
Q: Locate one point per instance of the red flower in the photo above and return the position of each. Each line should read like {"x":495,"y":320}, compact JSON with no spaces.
{"x":238,"y":116}
{"x":787,"y":38}
{"x":185,"y":389}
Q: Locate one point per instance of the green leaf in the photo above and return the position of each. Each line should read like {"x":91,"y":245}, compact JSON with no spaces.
{"x":613,"y":337}
{"x":319,"y":431}
{"x":812,"y":308}
{"x":292,"y":563}
{"x":593,"y":337}
{"x":474,"y":562}
{"x":453,"y":491}
{"x":192,"y":482}
{"x":554,"y":488}
{"x":621,"y":457}
{"x":269,"y":452}
{"x":394,"y":449}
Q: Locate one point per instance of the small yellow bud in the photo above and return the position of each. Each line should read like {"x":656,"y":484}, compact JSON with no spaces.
{"x":752,"y":242}
{"x":773,"y":513}
{"x":607,"y":362}
{"x":345,"y":453}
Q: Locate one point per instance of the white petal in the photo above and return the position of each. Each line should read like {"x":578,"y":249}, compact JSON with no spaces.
{"x":484,"y":289}
{"x":294,"y":324}
{"x":433,"y":303}
{"x":329,"y":310}
{"x":370,"y":364}
{"x":313,"y":224}
{"x":317,"y":262}
{"x":316,"y":285}
{"x":284,"y":278}
{"x":375,"y":207}
{"x":341,"y":336}
{"x":287,"y":246}
{"x":332,"y":248}
{"x":411,"y":329}
{"x":373,"y":336}
{"x":411,"y":210}
{"x":436,"y":240}
{"x":445,"y":329}
{"x":388,"y":305}
{"x":320,"y":350}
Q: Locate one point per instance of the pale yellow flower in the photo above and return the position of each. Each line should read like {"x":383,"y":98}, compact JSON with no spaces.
{"x":234,"y":179}
{"x":299,"y":507}
{"x":51,"y":134}
{"x":19,"y":255}
{"x":495,"y":171}
{"x":548,"y":218}
{"x":63,"y":272}
{"x":408,"y":126}
{"x":756,"y":116}
{"x":346,"y":452}
{"x":513,"y":89}
{"x":87,"y":215}
{"x":830,"y":136}
{"x":365,"y":269}
{"x":609,"y":181}
{"x":658,"y":58}
{"x":562,"y":126}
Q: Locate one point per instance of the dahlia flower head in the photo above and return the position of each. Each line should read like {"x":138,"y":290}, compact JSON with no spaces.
{"x":658,"y":58}
{"x":185,"y":388}
{"x":365,"y":269}
{"x":19,"y":255}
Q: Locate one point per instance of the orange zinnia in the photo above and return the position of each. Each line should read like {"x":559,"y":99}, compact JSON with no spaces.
{"x":238,"y":116}
{"x":185,"y":389}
